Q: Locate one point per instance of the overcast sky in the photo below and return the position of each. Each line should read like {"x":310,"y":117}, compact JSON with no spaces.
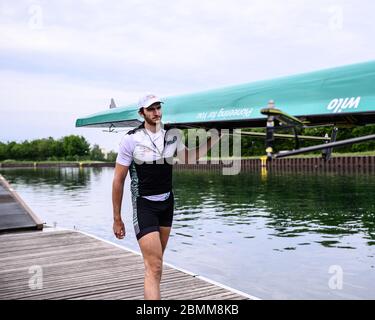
{"x":60,"y":60}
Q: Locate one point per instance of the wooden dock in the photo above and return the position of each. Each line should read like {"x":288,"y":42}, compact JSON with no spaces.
{"x":72,"y":265}
{"x":14,"y":213}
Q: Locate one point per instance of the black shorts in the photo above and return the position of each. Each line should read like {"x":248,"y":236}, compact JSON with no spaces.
{"x":149,"y":216}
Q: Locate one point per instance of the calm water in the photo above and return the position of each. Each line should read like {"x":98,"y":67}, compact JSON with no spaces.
{"x":275,"y":237}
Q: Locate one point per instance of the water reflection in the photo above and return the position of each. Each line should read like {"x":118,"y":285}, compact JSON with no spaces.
{"x":291,"y":205}
{"x":68,"y":178}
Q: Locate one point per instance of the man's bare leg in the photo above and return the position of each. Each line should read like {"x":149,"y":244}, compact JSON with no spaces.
{"x":152,"y":252}
{"x":164,"y":236}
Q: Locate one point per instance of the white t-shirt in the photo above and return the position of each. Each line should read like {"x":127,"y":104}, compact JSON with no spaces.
{"x":146,"y":146}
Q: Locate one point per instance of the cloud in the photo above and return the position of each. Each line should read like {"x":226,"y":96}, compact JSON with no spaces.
{"x":49,"y":106}
{"x":76,"y":55}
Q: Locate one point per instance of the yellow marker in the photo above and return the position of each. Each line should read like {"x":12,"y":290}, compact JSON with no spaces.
{"x":263,"y":160}
{"x":263,"y":171}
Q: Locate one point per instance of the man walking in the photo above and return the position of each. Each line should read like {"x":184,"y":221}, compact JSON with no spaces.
{"x":147,"y":152}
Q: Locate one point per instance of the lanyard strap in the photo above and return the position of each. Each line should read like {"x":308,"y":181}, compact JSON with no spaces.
{"x":161,"y":153}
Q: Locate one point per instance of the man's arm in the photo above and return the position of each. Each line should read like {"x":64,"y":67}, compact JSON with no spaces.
{"x":117,"y":192}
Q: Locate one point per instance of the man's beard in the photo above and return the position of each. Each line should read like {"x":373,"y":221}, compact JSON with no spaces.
{"x":153,"y":122}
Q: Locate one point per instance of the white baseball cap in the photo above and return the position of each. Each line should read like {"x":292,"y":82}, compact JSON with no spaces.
{"x":148,"y":100}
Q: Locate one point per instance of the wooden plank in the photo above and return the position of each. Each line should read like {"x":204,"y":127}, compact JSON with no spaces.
{"x":76,"y":266}
{"x":77,"y":270}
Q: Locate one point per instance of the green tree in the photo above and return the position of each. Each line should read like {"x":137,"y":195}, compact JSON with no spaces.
{"x":14,"y":151}
{"x":75,"y":147}
{"x":111,"y":156}
{"x":57,"y":147}
{"x":3,"y":151}
{"x":96,"y":153}
{"x":44,"y":149}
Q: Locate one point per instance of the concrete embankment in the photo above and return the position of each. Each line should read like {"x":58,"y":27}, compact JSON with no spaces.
{"x":353,"y":163}
{"x":56,"y":164}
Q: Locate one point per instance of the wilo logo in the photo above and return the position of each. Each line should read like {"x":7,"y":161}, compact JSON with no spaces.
{"x":340,"y":104}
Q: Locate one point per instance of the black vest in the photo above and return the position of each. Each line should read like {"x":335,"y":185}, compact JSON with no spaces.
{"x":153,"y":177}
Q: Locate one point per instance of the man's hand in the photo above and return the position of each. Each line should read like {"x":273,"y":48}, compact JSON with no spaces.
{"x":117,"y":192}
{"x":119,"y":229}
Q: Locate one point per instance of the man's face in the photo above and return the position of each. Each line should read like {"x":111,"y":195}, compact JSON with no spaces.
{"x":153,"y":114}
